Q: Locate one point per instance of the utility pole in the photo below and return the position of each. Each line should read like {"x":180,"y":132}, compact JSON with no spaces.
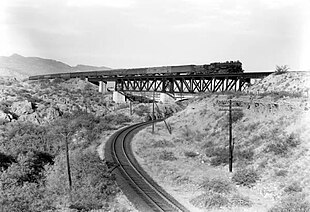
{"x":153,"y":116}
{"x":230,"y":139}
{"x":130,"y":107}
{"x":223,"y":107}
{"x":66,"y":135}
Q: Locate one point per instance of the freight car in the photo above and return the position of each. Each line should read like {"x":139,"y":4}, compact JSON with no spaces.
{"x":212,"y":68}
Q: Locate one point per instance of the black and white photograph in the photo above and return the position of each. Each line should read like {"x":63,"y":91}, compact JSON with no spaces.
{"x":154,"y":105}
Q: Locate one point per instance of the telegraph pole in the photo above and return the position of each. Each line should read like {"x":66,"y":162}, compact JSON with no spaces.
{"x":223,"y":105}
{"x":230,"y":139}
{"x":66,"y":135}
{"x":68,"y":167}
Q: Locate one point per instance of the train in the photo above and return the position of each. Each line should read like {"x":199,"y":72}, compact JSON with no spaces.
{"x":212,"y":68}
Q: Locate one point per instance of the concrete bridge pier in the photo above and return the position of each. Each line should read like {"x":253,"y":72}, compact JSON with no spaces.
{"x":118,"y":97}
{"x":165,"y":98}
{"x":102,"y":87}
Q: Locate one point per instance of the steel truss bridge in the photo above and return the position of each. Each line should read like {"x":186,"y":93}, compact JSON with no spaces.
{"x":167,"y":79}
{"x":190,"y":83}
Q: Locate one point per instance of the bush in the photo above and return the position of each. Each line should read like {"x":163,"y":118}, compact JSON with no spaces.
{"x":163,"y":143}
{"x":27,"y":198}
{"x":92,"y":185}
{"x":282,"y":147}
{"x":6,"y":161}
{"x":293,"y":188}
{"x":208,"y":144}
{"x":281,"y":173}
{"x":240,"y":200}
{"x":292,"y":203}
{"x":116,"y":119}
{"x":245,"y":177}
{"x":141,"y":110}
{"x":209,"y":201}
{"x":246,"y":155}
{"x":167,"y":156}
{"x":191,"y":154}
{"x":187,"y":133}
{"x":236,"y":116}
{"x":281,"y":69}
{"x":220,"y":156}
{"x":216,"y":185}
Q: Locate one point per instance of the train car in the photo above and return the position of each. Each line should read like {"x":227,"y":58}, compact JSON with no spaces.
{"x":212,"y":68}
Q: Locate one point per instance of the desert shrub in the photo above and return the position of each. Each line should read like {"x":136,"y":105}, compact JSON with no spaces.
{"x":122,"y":106}
{"x":216,"y":201}
{"x":245,"y":177}
{"x":209,"y":201}
{"x":281,"y":173}
{"x":239,"y":200}
{"x":187,"y":133}
{"x":281,"y":69}
{"x":167,"y":156}
{"x":236,"y":116}
{"x":6,"y":161}
{"x":29,"y":168}
{"x":208,"y":144}
{"x":293,"y":187}
{"x":25,"y":136}
{"x":141,"y":110}
{"x":191,"y":154}
{"x":282,"y":147}
{"x":163,"y":143}
{"x":217,"y":185}
{"x":92,"y":185}
{"x":280,"y":94}
{"x":116,"y":119}
{"x":178,"y":141}
{"x":220,"y":156}
{"x":27,"y":198}
{"x":292,"y":203}
{"x":246,"y":155}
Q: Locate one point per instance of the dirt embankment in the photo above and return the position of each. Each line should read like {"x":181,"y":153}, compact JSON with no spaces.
{"x":271,"y":152}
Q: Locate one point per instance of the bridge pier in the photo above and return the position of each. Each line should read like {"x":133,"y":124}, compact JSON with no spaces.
{"x":165,"y":98}
{"x":118,"y":97}
{"x":102,"y":87}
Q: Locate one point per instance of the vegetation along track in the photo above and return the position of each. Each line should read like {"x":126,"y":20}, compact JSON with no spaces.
{"x":137,"y":185}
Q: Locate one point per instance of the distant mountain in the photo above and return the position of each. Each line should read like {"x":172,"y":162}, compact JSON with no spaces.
{"x":21,"y":67}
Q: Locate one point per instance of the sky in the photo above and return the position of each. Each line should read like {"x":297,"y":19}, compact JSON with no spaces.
{"x":140,"y":33}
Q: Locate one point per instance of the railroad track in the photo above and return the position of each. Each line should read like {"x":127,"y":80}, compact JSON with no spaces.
{"x":137,"y":185}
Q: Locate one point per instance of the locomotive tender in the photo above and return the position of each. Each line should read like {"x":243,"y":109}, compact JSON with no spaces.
{"x":213,"y":68}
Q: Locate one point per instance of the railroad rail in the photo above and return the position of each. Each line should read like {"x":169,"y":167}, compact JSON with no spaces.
{"x":137,"y":185}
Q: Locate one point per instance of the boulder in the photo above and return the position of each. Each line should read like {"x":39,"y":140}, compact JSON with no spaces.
{"x":51,"y":113}
{"x":22,"y":108}
{"x":5,"y":116}
{"x":34,"y":118}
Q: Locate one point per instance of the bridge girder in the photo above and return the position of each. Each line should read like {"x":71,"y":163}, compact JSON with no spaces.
{"x":182,"y":84}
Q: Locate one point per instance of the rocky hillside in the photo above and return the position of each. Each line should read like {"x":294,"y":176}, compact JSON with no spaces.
{"x":291,"y":82}
{"x":43,"y":101}
{"x":271,"y":150}
{"x":21,"y":67}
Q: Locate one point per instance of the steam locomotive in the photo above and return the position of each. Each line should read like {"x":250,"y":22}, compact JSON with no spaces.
{"x":212,"y":68}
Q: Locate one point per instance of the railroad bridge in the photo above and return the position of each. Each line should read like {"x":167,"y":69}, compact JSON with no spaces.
{"x":216,"y":77}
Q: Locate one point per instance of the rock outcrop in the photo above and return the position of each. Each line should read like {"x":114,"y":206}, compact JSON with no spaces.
{"x":22,"y":108}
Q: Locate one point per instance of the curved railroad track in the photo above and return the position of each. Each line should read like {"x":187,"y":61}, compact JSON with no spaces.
{"x":137,"y":185}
